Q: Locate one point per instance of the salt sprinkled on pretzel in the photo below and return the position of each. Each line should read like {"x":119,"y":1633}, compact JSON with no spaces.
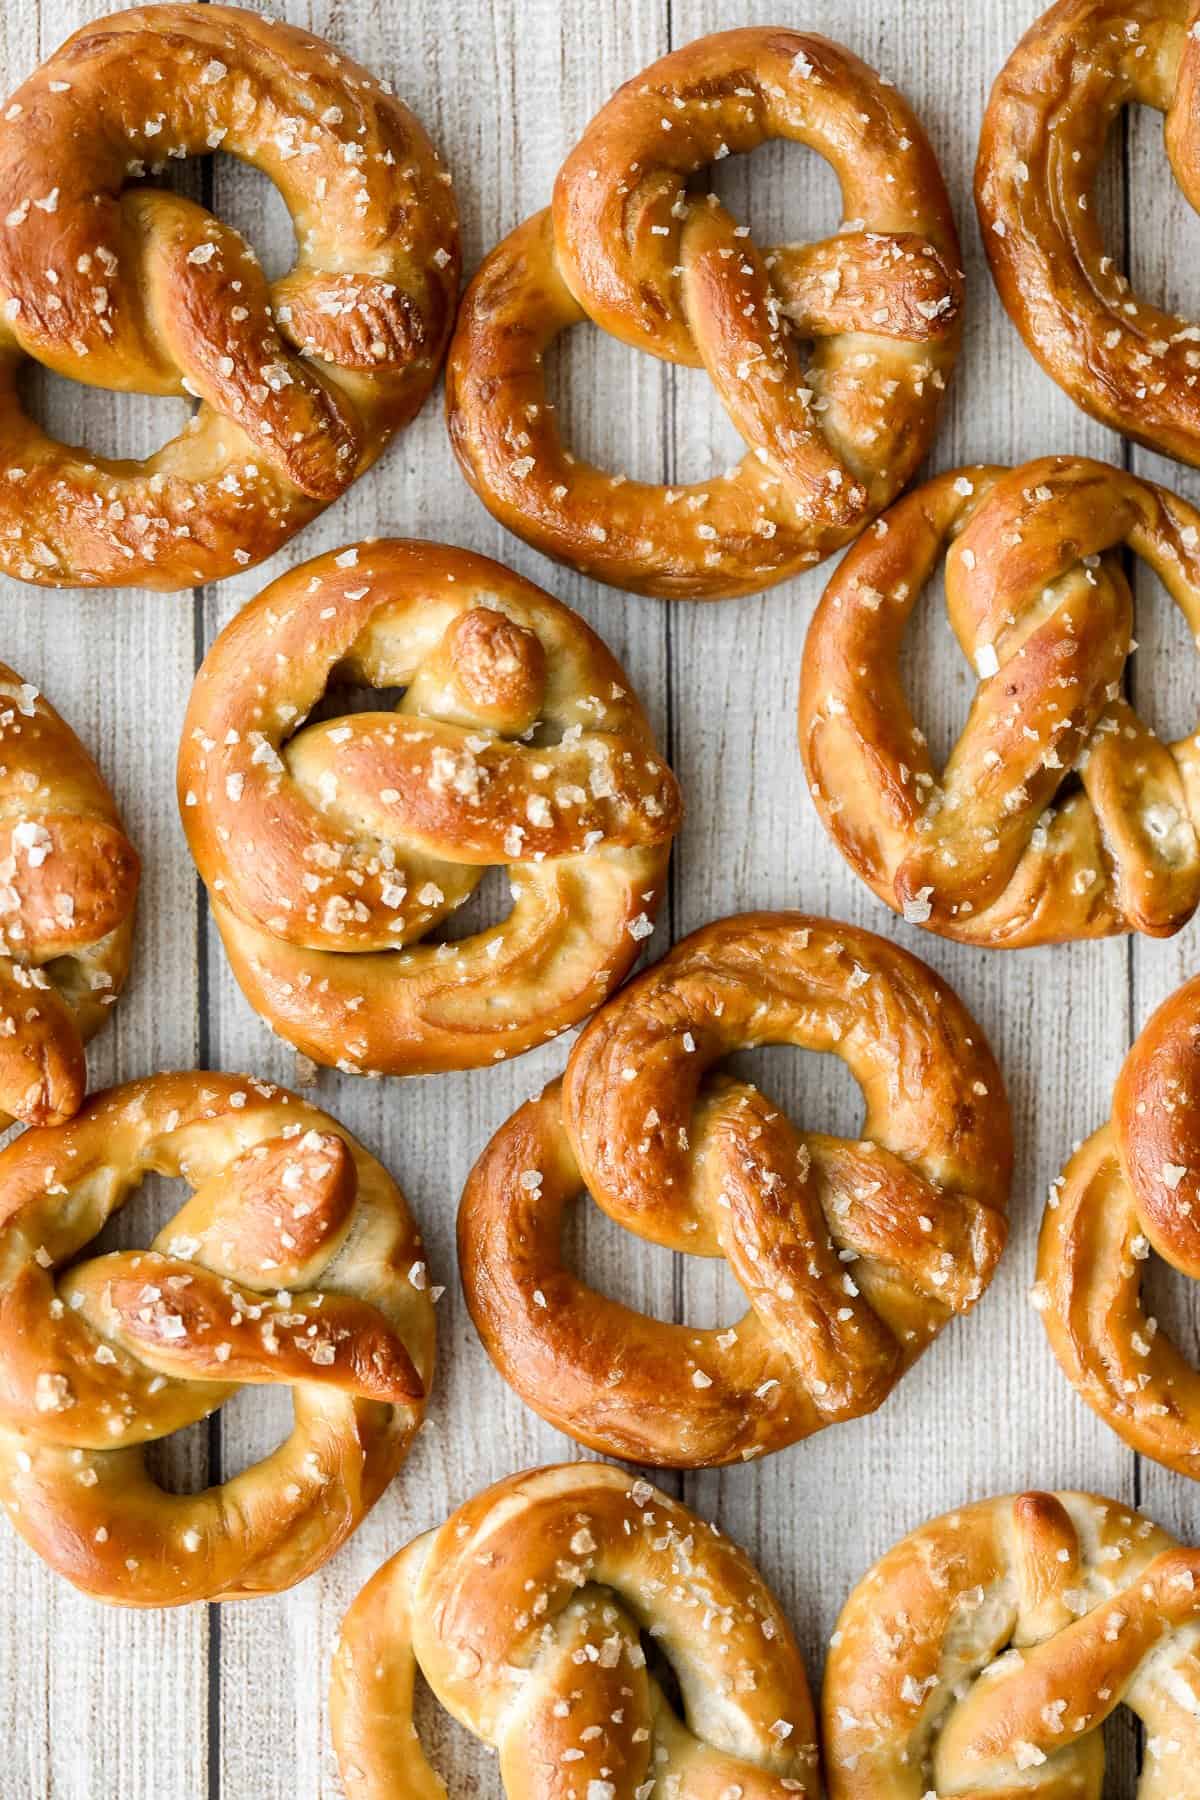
{"x":852,"y":1255}
{"x":829,"y":358}
{"x":1059,"y":814}
{"x":294,"y":1261}
{"x":331,"y":848}
{"x":525,"y":1613}
{"x":300,"y":381}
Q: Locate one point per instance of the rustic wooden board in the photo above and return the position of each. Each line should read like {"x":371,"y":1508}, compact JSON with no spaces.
{"x":230,"y":1702}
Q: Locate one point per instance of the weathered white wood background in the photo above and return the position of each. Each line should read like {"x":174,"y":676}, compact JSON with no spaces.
{"x":98,"y":1703}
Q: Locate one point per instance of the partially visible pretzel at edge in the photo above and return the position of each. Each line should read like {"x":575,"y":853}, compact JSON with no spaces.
{"x":295,"y":1261}
{"x":131,"y":287}
{"x":981,"y":1657}
{"x":68,"y":885}
{"x":832,"y":436}
{"x":988,"y":850}
{"x":852,"y":1255}
{"x":1131,"y":1189}
{"x":331,"y":848}
{"x":526,"y":1613}
{"x":1122,"y":359}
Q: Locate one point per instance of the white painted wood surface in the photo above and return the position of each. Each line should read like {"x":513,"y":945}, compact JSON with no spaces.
{"x":230,"y":1702}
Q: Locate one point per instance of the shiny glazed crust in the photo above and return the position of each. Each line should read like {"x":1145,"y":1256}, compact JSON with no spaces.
{"x":829,"y":358}
{"x":331,"y":848}
{"x":852,"y":1255}
{"x":294,"y":1261}
{"x":525,"y":1612}
{"x":68,"y":887}
{"x":993,"y":849}
{"x":981,"y":1656}
{"x":301,"y":381}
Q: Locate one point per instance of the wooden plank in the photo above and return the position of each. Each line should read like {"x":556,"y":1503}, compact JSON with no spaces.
{"x":107,"y":1702}
{"x":503,"y":90}
{"x":96,"y":1700}
{"x":1164,"y":244}
{"x":987,"y":1410}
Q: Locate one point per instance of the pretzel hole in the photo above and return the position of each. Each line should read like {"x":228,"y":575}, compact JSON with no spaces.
{"x":246,"y":198}
{"x":613,"y":403}
{"x":1158,"y":271}
{"x":111,"y":425}
{"x":648,"y":1278}
{"x":1161,"y":673}
{"x":785,"y":192}
{"x":1173,"y":1300}
{"x":936,"y":676}
{"x":465,"y":1763}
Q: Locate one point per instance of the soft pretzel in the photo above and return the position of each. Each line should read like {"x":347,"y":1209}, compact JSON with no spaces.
{"x":330,"y":848}
{"x":980,"y":1657}
{"x":294,"y":1261}
{"x":829,"y":358}
{"x":525,"y":1613}
{"x":1131,"y":1189}
{"x":852,"y":1256}
{"x":68,"y":884}
{"x":300,"y":381}
{"x":1059,"y":814}
{"x":1126,"y":362}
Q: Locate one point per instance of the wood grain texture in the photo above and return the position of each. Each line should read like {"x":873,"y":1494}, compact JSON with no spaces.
{"x":229,"y":1704}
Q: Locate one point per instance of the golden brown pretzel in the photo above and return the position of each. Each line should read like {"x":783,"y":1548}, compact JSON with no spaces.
{"x":1132,"y":1188}
{"x":980,"y":1657}
{"x":1124,"y":361}
{"x":330,"y":847}
{"x":295,"y":1261}
{"x":301,"y":381}
{"x":832,"y":433}
{"x":68,"y":884}
{"x":852,"y":1255}
{"x":525,"y":1613}
{"x":993,"y":849}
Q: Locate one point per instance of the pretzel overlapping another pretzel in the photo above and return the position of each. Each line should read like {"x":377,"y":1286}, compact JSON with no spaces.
{"x":330,"y":848}
{"x":1132,"y":1189}
{"x":525,"y":1613}
{"x":300,"y":381}
{"x":1120,"y":358}
{"x":833,"y":431}
{"x":852,"y":1255}
{"x":294,"y":1261}
{"x":68,"y":885}
{"x":981,"y":1656}
{"x":1059,"y":813}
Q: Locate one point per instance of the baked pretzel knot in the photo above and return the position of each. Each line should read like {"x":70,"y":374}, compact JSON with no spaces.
{"x":294,"y":1261}
{"x":852,"y":1256}
{"x":982,"y":1655}
{"x":829,"y":358}
{"x":1124,"y":361}
{"x":300,"y":381}
{"x":1058,"y":814}
{"x":525,"y":1613}
{"x":1132,"y":1188}
{"x":68,"y":884}
{"x":329,"y":847}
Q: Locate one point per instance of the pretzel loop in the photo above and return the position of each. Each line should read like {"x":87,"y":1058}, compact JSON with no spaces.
{"x":980,"y":1657}
{"x":68,"y":885}
{"x":1132,"y":1188}
{"x":294,"y":1262}
{"x":852,"y":1256}
{"x":524,"y":1613}
{"x":300,"y":382}
{"x":833,"y":429}
{"x":1123,"y":360}
{"x":330,"y":847}
{"x":995,"y":849}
